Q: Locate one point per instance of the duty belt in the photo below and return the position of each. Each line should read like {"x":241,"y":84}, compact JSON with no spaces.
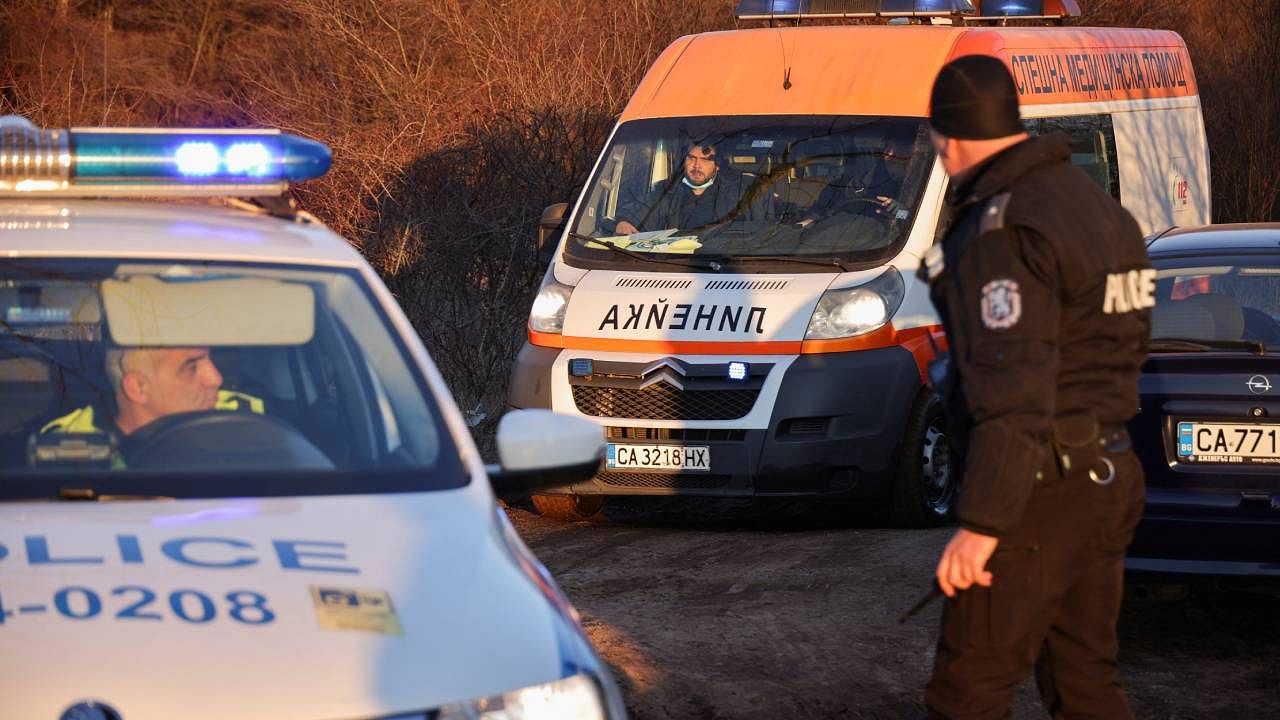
{"x":1113,"y":438}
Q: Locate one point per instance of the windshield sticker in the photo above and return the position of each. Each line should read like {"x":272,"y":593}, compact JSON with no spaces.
{"x":354,"y":609}
{"x":761,"y":143}
{"x":660,"y":316}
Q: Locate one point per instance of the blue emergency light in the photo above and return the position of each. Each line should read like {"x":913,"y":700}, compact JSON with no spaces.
{"x":1026,"y":9}
{"x":816,"y":9}
{"x":129,"y":161}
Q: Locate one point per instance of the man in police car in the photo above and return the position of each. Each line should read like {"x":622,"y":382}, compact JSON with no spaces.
{"x":149,"y":384}
{"x":1044,"y":289}
{"x":703,"y":195}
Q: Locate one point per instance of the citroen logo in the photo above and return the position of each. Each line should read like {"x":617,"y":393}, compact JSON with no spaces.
{"x":1258,"y":384}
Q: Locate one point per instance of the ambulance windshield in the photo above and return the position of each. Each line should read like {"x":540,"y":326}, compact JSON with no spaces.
{"x":738,"y":192}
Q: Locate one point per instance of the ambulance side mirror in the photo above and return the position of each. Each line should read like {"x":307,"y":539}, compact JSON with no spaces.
{"x":540,"y":449}
{"x":550,"y":225}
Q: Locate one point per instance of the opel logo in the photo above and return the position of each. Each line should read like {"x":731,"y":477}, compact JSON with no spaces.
{"x":1259,"y":384}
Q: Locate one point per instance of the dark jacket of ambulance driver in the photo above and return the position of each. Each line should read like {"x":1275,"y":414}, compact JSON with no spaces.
{"x":1044,"y":289}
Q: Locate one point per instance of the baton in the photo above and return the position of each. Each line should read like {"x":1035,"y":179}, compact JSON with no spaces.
{"x":934,"y":593}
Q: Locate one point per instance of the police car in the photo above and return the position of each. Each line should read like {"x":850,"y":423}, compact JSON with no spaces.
{"x":1208,"y":432}
{"x":232,"y":483}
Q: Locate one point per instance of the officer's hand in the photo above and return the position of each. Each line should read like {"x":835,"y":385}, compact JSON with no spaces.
{"x":625,"y":228}
{"x":964,"y":561}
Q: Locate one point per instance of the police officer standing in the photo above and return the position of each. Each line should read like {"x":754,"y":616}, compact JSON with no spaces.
{"x":1044,"y":288}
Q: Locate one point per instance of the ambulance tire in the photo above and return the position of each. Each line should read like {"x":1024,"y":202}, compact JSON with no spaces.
{"x":925,"y":489}
{"x":568,"y":507}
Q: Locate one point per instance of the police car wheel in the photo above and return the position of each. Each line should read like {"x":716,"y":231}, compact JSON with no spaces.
{"x":568,"y":507}
{"x":924,"y":490}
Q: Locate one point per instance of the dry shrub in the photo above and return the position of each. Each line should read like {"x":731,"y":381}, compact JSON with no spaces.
{"x":454,"y":122}
{"x":1235,"y":47}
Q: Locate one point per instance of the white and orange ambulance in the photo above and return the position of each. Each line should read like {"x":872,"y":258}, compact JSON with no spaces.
{"x":733,"y":296}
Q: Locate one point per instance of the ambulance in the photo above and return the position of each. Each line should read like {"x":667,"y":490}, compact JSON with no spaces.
{"x":733,"y":296}
{"x":232,"y":482}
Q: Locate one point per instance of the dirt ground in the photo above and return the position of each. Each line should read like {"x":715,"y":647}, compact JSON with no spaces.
{"x":726,"y":609}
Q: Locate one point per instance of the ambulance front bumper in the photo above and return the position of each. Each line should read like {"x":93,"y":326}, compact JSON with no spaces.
{"x":836,"y":424}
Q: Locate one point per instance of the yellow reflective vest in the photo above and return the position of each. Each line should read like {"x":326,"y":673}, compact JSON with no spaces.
{"x":81,"y":420}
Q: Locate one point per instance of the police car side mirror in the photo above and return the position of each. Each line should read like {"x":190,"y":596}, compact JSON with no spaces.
{"x":550,"y":225}
{"x":540,"y":449}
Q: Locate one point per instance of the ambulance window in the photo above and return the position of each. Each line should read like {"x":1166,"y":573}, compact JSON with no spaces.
{"x":1093,"y":146}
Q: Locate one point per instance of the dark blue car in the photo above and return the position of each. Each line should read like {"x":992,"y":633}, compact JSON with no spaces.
{"x":1208,"y":431}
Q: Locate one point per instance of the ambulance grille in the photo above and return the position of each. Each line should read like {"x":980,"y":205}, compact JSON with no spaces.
{"x":642,"y":283}
{"x":680,"y":434}
{"x":663,"y":480}
{"x":663,"y":401}
{"x":746,"y":284}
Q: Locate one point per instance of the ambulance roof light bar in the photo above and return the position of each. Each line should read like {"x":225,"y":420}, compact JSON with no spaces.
{"x":841,"y":9}
{"x":116,"y":162}
{"x":1003,"y":10}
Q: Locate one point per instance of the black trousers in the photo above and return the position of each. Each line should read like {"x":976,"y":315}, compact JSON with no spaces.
{"x":1058,"y":581}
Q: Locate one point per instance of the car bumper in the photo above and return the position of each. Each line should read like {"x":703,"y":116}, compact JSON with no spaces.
{"x":834,"y":431}
{"x":1212,"y":533}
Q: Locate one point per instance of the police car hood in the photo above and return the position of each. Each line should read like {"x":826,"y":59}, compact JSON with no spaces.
{"x":330,"y":607}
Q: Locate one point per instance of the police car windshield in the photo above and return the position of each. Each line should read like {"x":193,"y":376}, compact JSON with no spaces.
{"x":1219,"y":301}
{"x":827,"y":189}
{"x":220,"y":371}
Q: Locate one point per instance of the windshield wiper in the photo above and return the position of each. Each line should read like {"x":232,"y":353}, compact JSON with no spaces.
{"x":678,"y":262}
{"x":824,"y":262}
{"x":1201,"y":345}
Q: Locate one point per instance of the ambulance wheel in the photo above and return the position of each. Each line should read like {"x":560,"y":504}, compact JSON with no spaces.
{"x":925,"y":490}
{"x":568,"y":507}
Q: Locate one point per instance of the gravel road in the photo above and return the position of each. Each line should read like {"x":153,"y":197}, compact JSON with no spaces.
{"x":732,"y":609}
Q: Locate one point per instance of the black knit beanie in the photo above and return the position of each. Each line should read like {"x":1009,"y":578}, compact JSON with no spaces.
{"x":974,"y":99}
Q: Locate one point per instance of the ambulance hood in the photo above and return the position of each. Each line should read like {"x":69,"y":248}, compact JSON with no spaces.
{"x":329,"y":607}
{"x":697,"y":307}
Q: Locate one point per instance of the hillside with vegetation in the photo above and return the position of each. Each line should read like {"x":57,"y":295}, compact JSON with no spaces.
{"x":454,"y":122}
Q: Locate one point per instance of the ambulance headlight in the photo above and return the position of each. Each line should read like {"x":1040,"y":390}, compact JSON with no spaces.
{"x":547,"y":315}
{"x":849,"y":312}
{"x":577,"y":697}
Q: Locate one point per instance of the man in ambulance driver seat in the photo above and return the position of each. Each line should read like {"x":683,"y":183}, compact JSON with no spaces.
{"x":149,"y":384}
{"x":703,"y":195}
{"x":1044,"y":289}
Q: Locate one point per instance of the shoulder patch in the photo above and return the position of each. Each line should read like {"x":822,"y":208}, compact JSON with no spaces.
{"x":994,"y":212}
{"x":1001,"y":304}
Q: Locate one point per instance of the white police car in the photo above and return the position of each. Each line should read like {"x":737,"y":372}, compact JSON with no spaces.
{"x":232,"y":483}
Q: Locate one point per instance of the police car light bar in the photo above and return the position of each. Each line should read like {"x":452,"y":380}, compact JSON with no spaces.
{"x":153,"y":162}
{"x":1025,"y":9}
{"x":832,"y":9}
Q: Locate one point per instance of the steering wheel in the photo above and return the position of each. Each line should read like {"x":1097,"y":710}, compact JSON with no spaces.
{"x":222,"y":440}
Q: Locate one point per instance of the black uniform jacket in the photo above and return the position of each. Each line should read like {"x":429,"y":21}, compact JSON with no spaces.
{"x":675,"y":205}
{"x":1044,"y":290}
